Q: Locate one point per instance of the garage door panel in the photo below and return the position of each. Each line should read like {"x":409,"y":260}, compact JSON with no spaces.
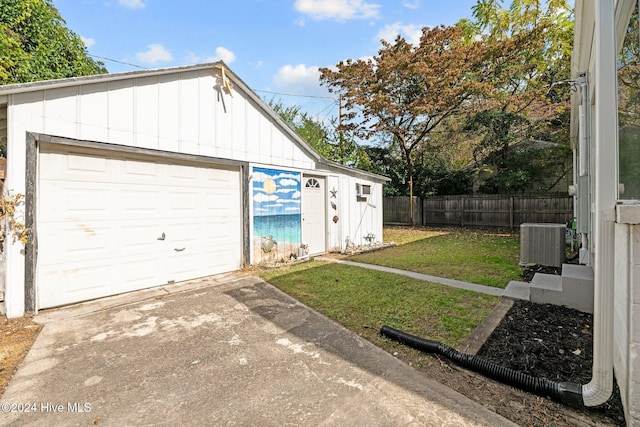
{"x":70,"y":168}
{"x":75,"y":284}
{"x":140,"y":201}
{"x":180,"y":234}
{"x":100,"y":224}
{"x":87,"y":279}
{"x":140,"y":172}
{"x":139,"y":273}
{"x":89,"y":239}
{"x":142,"y":237}
{"x":78,"y":241}
{"x":66,"y":201}
{"x":182,"y":172}
{"x":179,"y":202}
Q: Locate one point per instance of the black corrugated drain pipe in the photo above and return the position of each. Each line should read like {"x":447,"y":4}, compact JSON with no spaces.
{"x":568,"y":393}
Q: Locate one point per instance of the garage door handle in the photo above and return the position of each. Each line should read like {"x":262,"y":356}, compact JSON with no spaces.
{"x":161,"y":237}
{"x":179,"y":249}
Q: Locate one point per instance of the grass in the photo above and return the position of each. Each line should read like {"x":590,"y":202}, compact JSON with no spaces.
{"x":363,"y":300}
{"x":477,"y":256}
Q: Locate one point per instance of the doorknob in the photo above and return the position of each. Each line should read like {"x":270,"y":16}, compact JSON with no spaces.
{"x":179,"y":249}
{"x":161,"y":237}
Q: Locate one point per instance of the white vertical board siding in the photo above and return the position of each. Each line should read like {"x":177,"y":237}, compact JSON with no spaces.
{"x":94,"y":114}
{"x":61,"y":111}
{"x":189,"y":119}
{"x":121,"y":115}
{"x":168,"y":114}
{"x":111,"y":223}
{"x":181,"y":112}
{"x":146,"y":112}
{"x":364,"y":217}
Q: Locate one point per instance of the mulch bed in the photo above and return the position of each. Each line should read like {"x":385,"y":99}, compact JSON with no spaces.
{"x":549,"y":341}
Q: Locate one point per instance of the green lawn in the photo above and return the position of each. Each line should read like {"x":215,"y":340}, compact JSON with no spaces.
{"x":477,"y":256}
{"x":363,"y":300}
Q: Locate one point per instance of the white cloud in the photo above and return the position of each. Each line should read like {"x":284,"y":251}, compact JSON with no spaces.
{"x":260,"y":176}
{"x":294,"y":176}
{"x":132,"y":4}
{"x":88,"y":42}
{"x":260,"y":197}
{"x":288,"y":182}
{"x":300,"y":80}
{"x":295,"y":195}
{"x":339,"y":10}
{"x":222,"y":54}
{"x":225,"y":55}
{"x":410,"y":32}
{"x":155,"y":53}
{"x":411,"y":4}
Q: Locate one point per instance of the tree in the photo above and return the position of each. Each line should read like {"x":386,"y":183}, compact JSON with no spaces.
{"x":407,"y":91}
{"x":325,"y":138}
{"x":36,"y":45}
{"x":532,"y":101}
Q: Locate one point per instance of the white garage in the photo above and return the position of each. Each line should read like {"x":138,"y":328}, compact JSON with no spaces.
{"x":110,"y":222}
{"x":140,"y":179}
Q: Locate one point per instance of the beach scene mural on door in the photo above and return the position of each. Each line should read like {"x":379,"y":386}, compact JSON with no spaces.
{"x":277,"y":217}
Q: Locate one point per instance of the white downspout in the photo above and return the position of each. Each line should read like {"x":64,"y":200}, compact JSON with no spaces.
{"x":600,"y":387}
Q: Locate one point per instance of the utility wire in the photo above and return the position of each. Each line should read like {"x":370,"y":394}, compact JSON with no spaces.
{"x":255,"y":90}
{"x":119,"y":62}
{"x":291,"y":94}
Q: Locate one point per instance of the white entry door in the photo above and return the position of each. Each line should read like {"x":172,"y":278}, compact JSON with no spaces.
{"x":314,"y":226}
{"x":109,"y":223}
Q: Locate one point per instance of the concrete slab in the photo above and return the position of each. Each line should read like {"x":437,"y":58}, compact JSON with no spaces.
{"x":550,"y":282}
{"x":517,"y":290}
{"x":232,"y":352}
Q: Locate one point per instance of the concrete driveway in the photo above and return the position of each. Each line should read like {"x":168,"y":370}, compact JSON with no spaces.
{"x":225,"y":350}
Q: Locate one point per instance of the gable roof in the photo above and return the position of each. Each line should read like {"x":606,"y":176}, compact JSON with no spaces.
{"x":214,"y":67}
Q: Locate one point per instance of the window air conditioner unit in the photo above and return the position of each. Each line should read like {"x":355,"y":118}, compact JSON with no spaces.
{"x":542,"y":244}
{"x":363,"y":190}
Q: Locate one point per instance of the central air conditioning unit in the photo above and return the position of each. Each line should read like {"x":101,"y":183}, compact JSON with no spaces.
{"x":542,"y":244}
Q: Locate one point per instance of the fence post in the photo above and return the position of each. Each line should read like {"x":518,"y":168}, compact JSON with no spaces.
{"x":511,"y":212}
{"x":417,"y":211}
{"x":461,"y":211}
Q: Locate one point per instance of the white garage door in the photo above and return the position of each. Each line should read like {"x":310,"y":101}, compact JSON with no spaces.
{"x":110,"y":223}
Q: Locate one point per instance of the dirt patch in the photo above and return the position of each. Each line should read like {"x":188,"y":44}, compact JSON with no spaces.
{"x":16,"y":338}
{"x":541,"y":340}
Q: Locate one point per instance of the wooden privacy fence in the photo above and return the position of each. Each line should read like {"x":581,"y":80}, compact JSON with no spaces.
{"x":397,"y":210}
{"x":479,"y":211}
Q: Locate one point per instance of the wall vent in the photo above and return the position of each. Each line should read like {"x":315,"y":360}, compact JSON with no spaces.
{"x":542,"y":244}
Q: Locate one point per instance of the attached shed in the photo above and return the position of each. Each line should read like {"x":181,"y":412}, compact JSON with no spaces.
{"x":140,"y":179}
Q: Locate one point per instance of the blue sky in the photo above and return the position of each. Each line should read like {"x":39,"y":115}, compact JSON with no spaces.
{"x":275,"y":192}
{"x":275,"y":46}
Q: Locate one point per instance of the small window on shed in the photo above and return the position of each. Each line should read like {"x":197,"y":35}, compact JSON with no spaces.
{"x":362,"y":192}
